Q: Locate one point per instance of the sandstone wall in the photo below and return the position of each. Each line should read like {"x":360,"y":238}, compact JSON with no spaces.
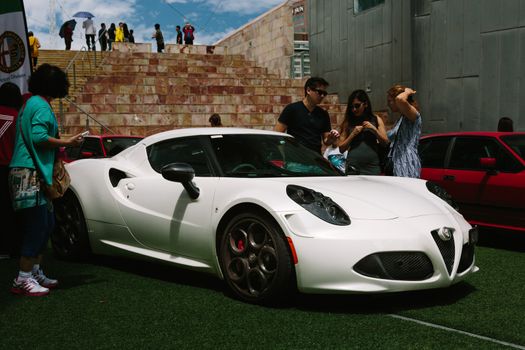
{"x":267,"y":40}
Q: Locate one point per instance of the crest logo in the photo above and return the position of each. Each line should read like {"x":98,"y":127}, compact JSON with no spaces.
{"x":445,"y":233}
{"x":12,"y":52}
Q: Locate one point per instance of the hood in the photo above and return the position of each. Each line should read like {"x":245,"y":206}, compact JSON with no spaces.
{"x":375,"y":197}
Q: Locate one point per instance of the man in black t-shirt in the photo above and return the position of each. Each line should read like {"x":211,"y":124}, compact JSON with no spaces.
{"x":306,"y":121}
{"x":179,"y":35}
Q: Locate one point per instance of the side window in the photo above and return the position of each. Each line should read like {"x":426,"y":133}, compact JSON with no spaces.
{"x":92,"y":145}
{"x":433,"y":152}
{"x":72,"y":152}
{"x":179,"y":150}
{"x":468,"y":151}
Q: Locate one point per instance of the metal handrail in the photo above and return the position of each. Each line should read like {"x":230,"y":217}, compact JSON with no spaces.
{"x":81,"y":54}
{"x":82,"y":49}
{"x":89,"y":116}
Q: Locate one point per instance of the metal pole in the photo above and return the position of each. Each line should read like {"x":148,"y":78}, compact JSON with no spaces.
{"x":75,"y":75}
{"x":61,"y":114}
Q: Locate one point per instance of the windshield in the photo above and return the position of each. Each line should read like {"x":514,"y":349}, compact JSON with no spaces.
{"x":116,"y":145}
{"x":268,"y":156}
{"x":517,"y":143}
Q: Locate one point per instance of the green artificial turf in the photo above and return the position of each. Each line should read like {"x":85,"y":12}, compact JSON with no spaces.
{"x":110,"y":303}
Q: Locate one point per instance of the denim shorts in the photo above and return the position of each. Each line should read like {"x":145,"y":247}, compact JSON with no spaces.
{"x":38,"y":223}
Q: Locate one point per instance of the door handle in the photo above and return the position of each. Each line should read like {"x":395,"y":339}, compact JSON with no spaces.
{"x":449,"y":178}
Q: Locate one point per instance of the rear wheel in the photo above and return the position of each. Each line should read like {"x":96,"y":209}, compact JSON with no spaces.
{"x":255,"y":260}
{"x":70,"y":239}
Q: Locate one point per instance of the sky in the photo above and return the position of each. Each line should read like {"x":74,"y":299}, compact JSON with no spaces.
{"x":212,"y":19}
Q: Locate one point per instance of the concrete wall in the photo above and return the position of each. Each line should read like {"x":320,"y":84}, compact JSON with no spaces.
{"x":466,"y":58}
{"x":268,"y":40}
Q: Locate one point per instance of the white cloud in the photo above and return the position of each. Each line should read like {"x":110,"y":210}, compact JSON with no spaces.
{"x":244,"y":7}
{"x":137,"y":14}
{"x":210,"y":38}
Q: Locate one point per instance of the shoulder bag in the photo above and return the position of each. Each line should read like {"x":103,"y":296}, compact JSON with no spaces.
{"x":61,"y":178}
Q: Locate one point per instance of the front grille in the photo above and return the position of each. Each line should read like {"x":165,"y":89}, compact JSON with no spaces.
{"x":407,"y":266}
{"x":447,"y":250}
{"x":467,"y":257}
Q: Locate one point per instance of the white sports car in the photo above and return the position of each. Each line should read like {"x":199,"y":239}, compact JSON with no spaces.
{"x":265,"y":214}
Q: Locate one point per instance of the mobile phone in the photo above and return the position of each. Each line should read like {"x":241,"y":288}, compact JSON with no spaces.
{"x":85,"y":133}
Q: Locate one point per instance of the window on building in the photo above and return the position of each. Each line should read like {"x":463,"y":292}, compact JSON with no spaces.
{"x":363,"y":5}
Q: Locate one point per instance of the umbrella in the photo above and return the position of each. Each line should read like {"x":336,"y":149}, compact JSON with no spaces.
{"x":71,"y":23}
{"x":83,"y":14}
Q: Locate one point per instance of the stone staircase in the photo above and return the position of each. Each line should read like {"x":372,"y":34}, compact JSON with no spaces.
{"x":142,"y":93}
{"x":84,"y":67}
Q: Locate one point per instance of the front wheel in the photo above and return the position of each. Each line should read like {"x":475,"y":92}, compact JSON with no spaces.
{"x":255,"y":259}
{"x":69,"y":238}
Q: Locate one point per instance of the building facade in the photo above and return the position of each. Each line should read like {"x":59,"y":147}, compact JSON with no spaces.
{"x":277,"y":40}
{"x":465,"y":58}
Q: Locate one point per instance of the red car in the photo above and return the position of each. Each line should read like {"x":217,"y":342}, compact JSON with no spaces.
{"x":484,"y":172}
{"x":100,"y":146}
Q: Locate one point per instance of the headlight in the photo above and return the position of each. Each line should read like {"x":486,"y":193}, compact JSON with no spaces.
{"x":318,"y":204}
{"x":441,"y":193}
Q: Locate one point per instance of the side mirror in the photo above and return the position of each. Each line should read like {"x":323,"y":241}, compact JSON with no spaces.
{"x":86,"y":154}
{"x":182,"y":173}
{"x":488,"y":163}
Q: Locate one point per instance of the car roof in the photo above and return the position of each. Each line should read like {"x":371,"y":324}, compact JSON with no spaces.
{"x":207,"y":131}
{"x":496,"y":134}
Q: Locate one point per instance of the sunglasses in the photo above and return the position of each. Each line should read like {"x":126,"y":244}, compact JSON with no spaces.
{"x":320,"y":92}
{"x":357,"y":105}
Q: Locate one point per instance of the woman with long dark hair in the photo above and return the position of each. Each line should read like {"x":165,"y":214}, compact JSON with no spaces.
{"x":33,"y":159}
{"x":363,"y":134}
{"x":111,"y":36}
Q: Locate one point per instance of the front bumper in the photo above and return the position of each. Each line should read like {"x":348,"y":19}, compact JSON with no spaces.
{"x":330,"y":258}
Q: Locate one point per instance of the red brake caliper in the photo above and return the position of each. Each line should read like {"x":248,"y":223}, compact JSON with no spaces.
{"x":240,"y":245}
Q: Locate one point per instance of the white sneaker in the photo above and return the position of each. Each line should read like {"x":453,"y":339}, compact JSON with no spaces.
{"x":43,"y":280}
{"x":28,"y":286}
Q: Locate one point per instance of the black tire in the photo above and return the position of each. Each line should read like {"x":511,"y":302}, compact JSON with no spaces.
{"x":70,"y":238}
{"x":255,"y":259}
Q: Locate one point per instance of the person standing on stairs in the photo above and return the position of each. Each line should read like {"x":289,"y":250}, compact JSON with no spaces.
{"x":89,"y":27}
{"x":306,"y":121}
{"x":179,"y":35}
{"x":103,"y":37}
{"x":68,"y":36}
{"x":189,"y":35}
{"x":119,"y":33}
{"x":157,"y":35}
{"x":34,"y":45}
{"x":111,"y":36}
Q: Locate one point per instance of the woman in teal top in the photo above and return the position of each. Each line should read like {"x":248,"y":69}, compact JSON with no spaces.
{"x":38,"y":124}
